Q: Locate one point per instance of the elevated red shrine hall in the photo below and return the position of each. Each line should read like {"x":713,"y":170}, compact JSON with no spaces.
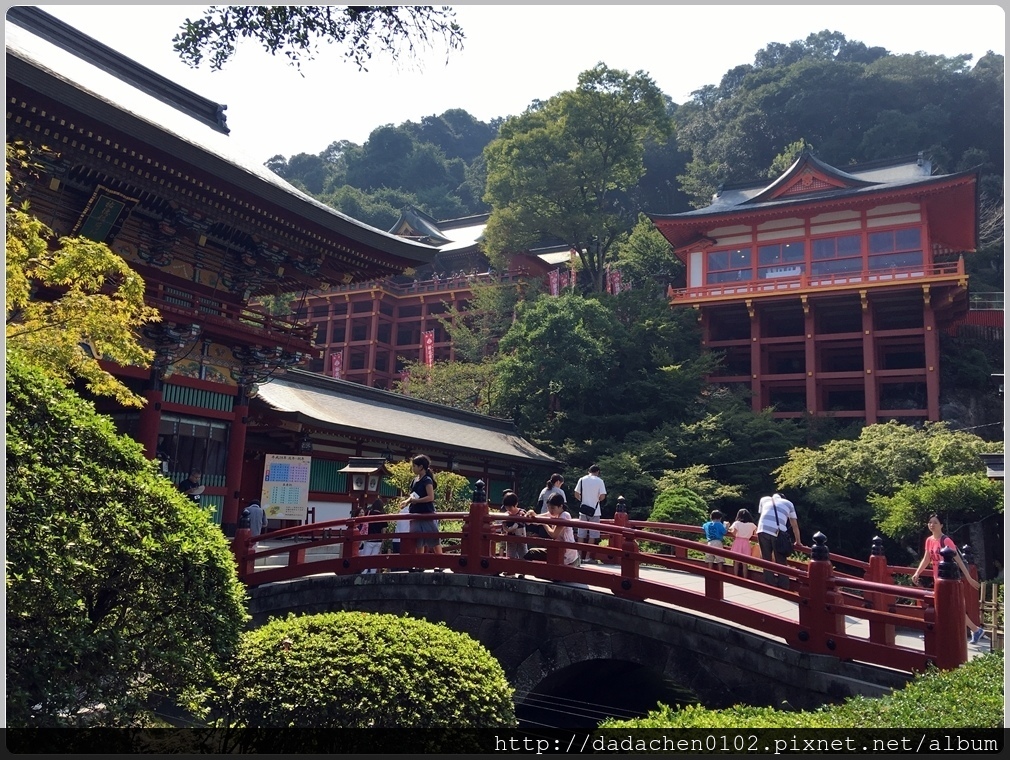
{"x":364,"y":330}
{"x":826,"y":290}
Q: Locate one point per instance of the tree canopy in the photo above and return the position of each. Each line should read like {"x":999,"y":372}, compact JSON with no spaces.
{"x":296,"y":31}
{"x":843,"y":479}
{"x":70,"y":304}
{"x":852,"y":102}
{"x":564,"y":168}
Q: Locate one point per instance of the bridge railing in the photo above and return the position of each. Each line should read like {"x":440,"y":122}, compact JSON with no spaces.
{"x":825,"y":597}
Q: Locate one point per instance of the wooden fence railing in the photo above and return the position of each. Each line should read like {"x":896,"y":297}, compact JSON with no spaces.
{"x":825,"y":596}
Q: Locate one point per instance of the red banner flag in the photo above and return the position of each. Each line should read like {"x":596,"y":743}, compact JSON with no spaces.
{"x":337,"y":364}
{"x":428,"y":341}
{"x":554,"y":277}
{"x":563,"y":280}
{"x":615,"y":281}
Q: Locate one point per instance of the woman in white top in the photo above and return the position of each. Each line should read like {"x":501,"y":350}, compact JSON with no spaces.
{"x":743,"y":530}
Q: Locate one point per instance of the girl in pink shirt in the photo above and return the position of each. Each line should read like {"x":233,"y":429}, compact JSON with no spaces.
{"x":742,"y":530}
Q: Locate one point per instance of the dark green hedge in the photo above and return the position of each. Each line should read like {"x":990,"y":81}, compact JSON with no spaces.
{"x":969,"y":697}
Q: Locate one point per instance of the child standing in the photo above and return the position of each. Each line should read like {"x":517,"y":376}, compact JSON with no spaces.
{"x":514,"y":550}
{"x":715,"y":531}
{"x":742,"y":530}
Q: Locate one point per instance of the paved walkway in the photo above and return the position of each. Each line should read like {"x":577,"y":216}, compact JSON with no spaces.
{"x":746,"y":597}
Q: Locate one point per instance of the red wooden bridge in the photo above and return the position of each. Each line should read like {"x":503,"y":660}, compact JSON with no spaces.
{"x":827,"y":591}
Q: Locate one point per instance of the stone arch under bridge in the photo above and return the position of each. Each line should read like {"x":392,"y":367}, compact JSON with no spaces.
{"x":537,"y":630}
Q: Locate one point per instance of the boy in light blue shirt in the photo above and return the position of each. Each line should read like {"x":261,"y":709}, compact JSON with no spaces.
{"x":715,"y":531}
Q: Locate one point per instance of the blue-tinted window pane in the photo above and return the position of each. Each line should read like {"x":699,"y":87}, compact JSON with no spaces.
{"x":730,"y":275}
{"x":793,"y":252}
{"x":718,"y":260}
{"x":896,"y":261}
{"x":769,"y":254}
{"x":849,"y":245}
{"x":881,"y":242}
{"x":824,"y":249}
{"x":836,"y":266}
{"x":740,"y":258}
{"x":906,"y":240}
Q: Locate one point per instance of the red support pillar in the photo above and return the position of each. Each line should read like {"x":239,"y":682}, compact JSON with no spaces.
{"x":810,"y":357}
{"x":474,"y":549}
{"x":931,"y":341}
{"x":880,"y":633}
{"x":236,"y":459}
{"x":150,"y":421}
{"x":240,"y":548}
{"x":373,"y":338}
{"x":870,"y":402}
{"x":951,"y":645}
{"x":629,"y":566}
{"x":818,"y":615}
{"x":756,"y":370}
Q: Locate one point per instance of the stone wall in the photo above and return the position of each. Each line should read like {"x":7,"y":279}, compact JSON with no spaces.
{"x":536,"y":629}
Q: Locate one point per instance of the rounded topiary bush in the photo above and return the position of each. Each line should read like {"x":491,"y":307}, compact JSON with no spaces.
{"x":362,"y":670}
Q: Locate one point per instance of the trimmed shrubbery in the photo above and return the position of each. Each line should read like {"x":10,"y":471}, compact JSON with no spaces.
{"x":969,"y":697}
{"x":361,"y":670}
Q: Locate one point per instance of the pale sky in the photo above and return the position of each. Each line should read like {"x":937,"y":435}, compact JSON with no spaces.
{"x":512,"y":55}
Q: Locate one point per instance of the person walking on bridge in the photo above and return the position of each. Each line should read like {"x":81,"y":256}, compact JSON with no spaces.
{"x":421,"y":502}
{"x":590,"y":493}
{"x":934,"y":542}
{"x":775,"y":515}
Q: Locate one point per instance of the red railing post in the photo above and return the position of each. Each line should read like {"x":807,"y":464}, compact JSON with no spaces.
{"x":240,"y":548}
{"x":620,"y":521}
{"x":817,"y":612}
{"x":349,"y":547}
{"x":880,"y":633}
{"x":474,"y":550}
{"x":951,"y":633}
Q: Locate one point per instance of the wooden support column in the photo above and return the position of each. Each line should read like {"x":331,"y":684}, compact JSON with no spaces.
{"x":810,"y":356}
{"x":236,"y":459}
{"x":755,"y":357}
{"x":373,"y":339}
{"x":150,"y":418}
{"x":931,"y":343}
{"x":870,"y":403}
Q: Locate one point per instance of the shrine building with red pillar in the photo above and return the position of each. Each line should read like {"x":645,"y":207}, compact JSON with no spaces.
{"x":825,"y":290}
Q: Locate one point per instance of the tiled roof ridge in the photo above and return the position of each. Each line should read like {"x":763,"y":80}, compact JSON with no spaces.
{"x":863,"y":166}
{"x":89,"y":49}
{"x":304,"y":377}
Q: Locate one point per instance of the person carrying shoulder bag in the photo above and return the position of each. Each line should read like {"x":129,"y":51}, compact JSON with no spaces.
{"x":776,"y":515}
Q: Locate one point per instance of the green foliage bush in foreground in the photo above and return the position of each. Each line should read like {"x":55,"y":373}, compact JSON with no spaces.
{"x":361,"y":670}
{"x":969,"y":697}
{"x":117,"y":585}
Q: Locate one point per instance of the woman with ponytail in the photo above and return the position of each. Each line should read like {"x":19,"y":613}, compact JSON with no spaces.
{"x":421,"y":501}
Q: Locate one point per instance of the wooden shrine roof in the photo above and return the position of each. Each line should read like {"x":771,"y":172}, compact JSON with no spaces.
{"x":138,"y":127}
{"x":345,"y":407}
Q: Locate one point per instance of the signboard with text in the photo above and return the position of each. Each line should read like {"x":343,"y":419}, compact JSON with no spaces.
{"x":285,"y":494}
